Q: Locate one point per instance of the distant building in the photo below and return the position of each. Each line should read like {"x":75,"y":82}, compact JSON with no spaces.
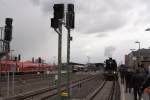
{"x":138,"y":58}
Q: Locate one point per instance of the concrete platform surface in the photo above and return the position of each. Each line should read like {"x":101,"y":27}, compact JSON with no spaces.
{"x":130,"y":96}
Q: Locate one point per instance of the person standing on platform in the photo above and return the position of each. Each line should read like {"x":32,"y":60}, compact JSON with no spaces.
{"x":128,"y":80}
{"x":137,"y":81}
{"x":146,"y":84}
{"x":122,"y":75}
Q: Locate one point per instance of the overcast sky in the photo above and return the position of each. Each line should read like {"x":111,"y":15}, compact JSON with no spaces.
{"x":101,"y":26}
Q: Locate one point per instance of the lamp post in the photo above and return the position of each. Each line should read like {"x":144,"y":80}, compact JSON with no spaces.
{"x":133,"y":58}
{"x":88,"y":57}
{"x":138,"y":43}
{"x":138,"y":51}
{"x":54,"y":58}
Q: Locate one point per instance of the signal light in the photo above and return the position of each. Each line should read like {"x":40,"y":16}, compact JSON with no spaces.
{"x":70,"y":20}
{"x":71,"y":38}
{"x":40,"y":60}
{"x":16,"y":58}
{"x":70,"y":8}
{"x":54,"y":23}
{"x":58,"y":11}
{"x":70,"y":16}
{"x":8,"y":29}
{"x":19,"y":57}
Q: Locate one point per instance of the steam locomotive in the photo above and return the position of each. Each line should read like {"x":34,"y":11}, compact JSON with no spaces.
{"x":110,"y":70}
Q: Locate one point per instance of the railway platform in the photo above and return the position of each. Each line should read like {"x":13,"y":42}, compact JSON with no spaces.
{"x":130,"y":96}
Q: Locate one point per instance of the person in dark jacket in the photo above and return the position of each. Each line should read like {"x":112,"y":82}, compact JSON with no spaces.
{"x":122,"y":74}
{"x":146,"y":82}
{"x":128,"y":80}
{"x":137,"y":81}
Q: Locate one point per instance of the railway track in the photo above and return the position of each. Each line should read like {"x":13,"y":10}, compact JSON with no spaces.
{"x":44,"y":94}
{"x":23,"y":77}
{"x":108,"y":90}
{"x":36,"y":82}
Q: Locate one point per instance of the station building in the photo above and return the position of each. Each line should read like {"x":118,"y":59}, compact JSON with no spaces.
{"x":138,"y":57}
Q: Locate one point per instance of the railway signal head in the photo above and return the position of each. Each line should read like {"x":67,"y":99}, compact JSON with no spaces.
{"x":58,"y":11}
{"x":19,"y":57}
{"x":70,"y":8}
{"x":8,"y":21}
{"x":16,"y":58}
{"x":70,"y":17}
{"x":54,"y":23}
{"x":8,"y":29}
{"x":40,"y":60}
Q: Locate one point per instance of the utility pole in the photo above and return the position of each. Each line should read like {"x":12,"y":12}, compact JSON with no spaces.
{"x":54,"y":60}
{"x":13,"y":73}
{"x":7,"y":77}
{"x":1,"y":47}
{"x":68,"y":62}
{"x":69,"y":25}
{"x":8,"y":38}
{"x":88,"y":59}
{"x":57,"y":23}
{"x":59,"y":57}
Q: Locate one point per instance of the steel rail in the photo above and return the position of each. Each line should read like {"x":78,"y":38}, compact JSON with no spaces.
{"x":112,"y":93}
{"x":92,"y":95}
{"x":75,"y":84}
{"x":45,"y":90}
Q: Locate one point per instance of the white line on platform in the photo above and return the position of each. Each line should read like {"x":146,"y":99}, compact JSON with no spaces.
{"x":122,"y":92}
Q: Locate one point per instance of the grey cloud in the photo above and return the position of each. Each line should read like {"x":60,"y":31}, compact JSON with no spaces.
{"x":33,"y":35}
{"x":47,"y":5}
{"x":36,"y":2}
{"x":104,"y":15}
{"x":102,"y":35}
{"x":97,"y":16}
{"x":100,"y":22}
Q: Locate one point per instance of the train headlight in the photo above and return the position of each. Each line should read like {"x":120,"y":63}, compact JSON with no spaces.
{"x":114,"y":72}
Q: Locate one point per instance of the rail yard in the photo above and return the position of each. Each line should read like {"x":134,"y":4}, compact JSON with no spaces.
{"x":74,"y":50}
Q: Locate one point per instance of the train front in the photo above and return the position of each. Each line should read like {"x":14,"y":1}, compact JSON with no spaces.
{"x":110,"y":71}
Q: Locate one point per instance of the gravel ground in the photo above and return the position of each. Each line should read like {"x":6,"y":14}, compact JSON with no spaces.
{"x":33,"y":84}
{"x":85,"y":89}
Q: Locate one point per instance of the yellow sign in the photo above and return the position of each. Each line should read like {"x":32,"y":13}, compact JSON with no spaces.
{"x":64,"y":94}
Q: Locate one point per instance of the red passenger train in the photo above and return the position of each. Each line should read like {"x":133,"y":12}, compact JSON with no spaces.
{"x":24,"y":67}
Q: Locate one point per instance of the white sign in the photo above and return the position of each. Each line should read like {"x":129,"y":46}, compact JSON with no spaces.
{"x":134,"y":58}
{"x":56,"y":77}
